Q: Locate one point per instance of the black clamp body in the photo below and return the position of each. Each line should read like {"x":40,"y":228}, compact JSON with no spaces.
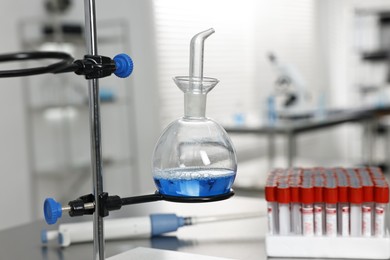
{"x":77,"y":207}
{"x":107,"y":203}
{"x":95,"y":66}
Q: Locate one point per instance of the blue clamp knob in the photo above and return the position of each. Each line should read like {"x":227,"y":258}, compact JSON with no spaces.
{"x":124,"y":65}
{"x":52,"y":210}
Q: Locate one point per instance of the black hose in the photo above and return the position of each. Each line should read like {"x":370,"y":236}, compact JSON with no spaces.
{"x":64,"y":65}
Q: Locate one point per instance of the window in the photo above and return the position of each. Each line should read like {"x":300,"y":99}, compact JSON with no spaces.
{"x":228,"y":53}
{"x":246,"y":31}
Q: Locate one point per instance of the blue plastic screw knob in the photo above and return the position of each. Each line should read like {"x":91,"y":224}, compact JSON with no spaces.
{"x":124,"y":65}
{"x":52,"y":210}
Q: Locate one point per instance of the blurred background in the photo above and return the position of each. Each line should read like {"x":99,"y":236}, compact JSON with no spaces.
{"x":319,"y":56}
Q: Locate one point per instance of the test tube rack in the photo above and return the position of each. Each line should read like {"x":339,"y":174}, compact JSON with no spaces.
{"x":328,"y":247}
{"x":327,"y":213}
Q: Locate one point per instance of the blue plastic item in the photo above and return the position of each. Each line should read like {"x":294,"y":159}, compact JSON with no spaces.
{"x":271,"y":107}
{"x":124,"y":65}
{"x":163,"y":223}
{"x":52,"y":210}
{"x":60,"y":238}
{"x":44,"y":236}
{"x":106,"y":95}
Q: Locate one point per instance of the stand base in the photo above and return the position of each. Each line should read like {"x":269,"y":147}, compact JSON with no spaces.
{"x":328,"y":247}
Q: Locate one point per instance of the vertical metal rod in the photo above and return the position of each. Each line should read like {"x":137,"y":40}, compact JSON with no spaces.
{"x":271,"y":149}
{"x":95,"y":128}
{"x":291,"y":148}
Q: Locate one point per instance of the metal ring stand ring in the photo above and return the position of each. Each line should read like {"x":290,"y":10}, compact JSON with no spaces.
{"x":196,"y":199}
{"x":65,"y":58}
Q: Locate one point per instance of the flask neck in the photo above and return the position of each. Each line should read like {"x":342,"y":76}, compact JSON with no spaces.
{"x":195,"y":105}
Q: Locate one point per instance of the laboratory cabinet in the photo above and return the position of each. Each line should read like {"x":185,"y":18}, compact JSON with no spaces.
{"x":371,"y":73}
{"x":57,"y":115}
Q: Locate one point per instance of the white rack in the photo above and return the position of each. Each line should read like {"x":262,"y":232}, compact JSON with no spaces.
{"x":328,"y":247}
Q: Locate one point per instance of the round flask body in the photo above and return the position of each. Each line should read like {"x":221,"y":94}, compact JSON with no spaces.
{"x":194,"y":158}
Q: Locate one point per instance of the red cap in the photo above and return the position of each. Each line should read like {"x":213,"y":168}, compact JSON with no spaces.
{"x":294,"y":193}
{"x":355,"y":194}
{"x":331,"y":195}
{"x":368,"y":193}
{"x":376,"y":173}
{"x":318,"y":194}
{"x":307,"y":195}
{"x":270,"y":193}
{"x":283,"y":194}
{"x":381,"y":194}
{"x":343,"y":193}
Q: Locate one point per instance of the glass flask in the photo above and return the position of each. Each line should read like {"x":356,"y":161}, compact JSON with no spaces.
{"x":194,"y":156}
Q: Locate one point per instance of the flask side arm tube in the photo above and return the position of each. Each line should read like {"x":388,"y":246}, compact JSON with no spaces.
{"x":196,"y":53}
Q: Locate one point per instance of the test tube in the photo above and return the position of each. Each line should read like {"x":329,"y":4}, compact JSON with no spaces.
{"x":272,"y":205}
{"x":319,"y":211}
{"x":294,"y":181}
{"x":283,"y":198}
{"x":356,"y":199}
{"x":296,"y":220}
{"x":381,"y":196}
{"x":307,"y":198}
{"x":343,"y":205}
{"x":368,"y":203}
{"x":331,"y":199}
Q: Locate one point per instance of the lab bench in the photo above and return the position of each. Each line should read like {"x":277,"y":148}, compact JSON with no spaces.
{"x":236,"y":239}
{"x":291,"y":129}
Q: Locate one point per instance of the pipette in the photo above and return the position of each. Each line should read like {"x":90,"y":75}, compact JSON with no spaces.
{"x":136,"y":227}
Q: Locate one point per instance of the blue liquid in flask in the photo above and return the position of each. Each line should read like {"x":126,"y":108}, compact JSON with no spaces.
{"x":194,"y":182}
